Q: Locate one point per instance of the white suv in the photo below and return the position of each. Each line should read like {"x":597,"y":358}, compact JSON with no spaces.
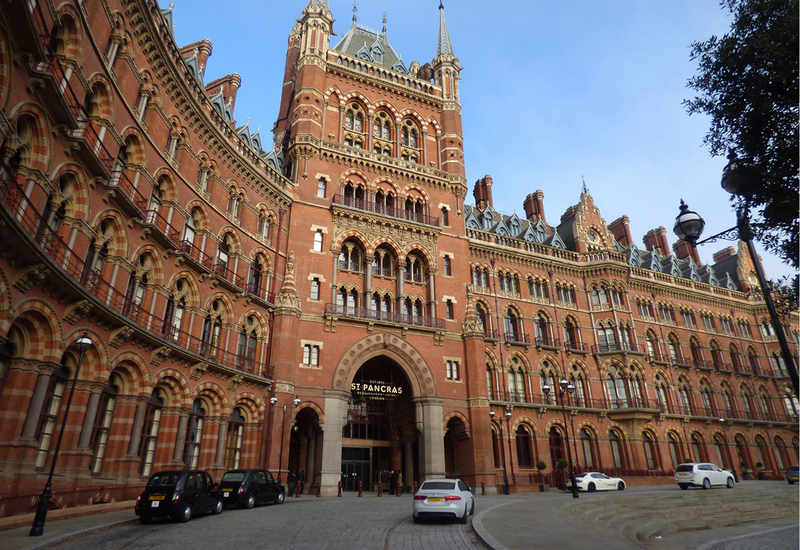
{"x":702,"y":474}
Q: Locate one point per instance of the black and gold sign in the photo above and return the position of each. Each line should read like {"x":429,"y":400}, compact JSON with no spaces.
{"x":375,"y":390}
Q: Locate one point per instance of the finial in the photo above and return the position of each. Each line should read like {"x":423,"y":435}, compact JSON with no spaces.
{"x":355,"y":9}
{"x":384,"y":22}
{"x":171,"y":5}
{"x":441,"y":6}
{"x":585,"y":189}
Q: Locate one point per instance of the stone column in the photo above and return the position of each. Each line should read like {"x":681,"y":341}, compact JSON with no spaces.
{"x":136,"y":431}
{"x":181,"y":439}
{"x":88,"y":420}
{"x":311,"y":456}
{"x":223,"y":427}
{"x":429,"y":423}
{"x":408,"y":476}
{"x":335,"y":419}
{"x":35,"y":408}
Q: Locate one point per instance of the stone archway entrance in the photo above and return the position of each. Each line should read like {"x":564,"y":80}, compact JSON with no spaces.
{"x":381,"y":413}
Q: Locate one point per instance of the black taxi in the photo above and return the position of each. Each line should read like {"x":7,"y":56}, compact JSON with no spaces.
{"x":178,"y":494}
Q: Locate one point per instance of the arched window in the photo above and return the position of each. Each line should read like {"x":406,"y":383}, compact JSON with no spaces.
{"x":483,"y":318}
{"x":698,"y":448}
{"x":516,"y":382}
{"x":556,"y":446}
{"x":736,"y":359}
{"x":489,"y":381}
{"x":661,"y":393}
{"x":570,"y":335}
{"x":606,"y":337}
{"x":675,"y":453}
{"x":650,"y":454}
{"x":753,"y":359}
{"x":685,"y":398}
{"x":716,"y":356}
{"x":149,"y":434}
{"x":102,"y":425}
{"x":496,"y":450}
{"x":176,"y":308}
{"x":708,"y":402}
{"x":652,"y":347}
{"x":189,"y":233}
{"x":512,"y":326}
{"x":542,"y":330}
{"x":246,"y":349}
{"x":97,"y":254}
{"x":587,"y":448}
{"x":212,"y":327}
{"x":52,"y":406}
{"x":674,"y":347}
{"x":721,"y":449}
{"x":599,"y":298}
{"x":617,"y":449}
{"x":728,"y":403}
{"x":763,"y":454}
{"x":350,"y":257}
{"x":194,"y":435}
{"x":618,"y":397}
{"x":697,"y":354}
{"x":233,"y":440}
{"x":524,"y":449}
{"x":578,"y":398}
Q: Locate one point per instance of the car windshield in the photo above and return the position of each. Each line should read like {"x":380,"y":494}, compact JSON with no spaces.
{"x":233,"y":476}
{"x":685,"y":468}
{"x":438,"y":485}
{"x":164,"y":480}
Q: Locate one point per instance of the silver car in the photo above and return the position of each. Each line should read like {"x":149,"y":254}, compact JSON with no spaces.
{"x":702,"y":474}
{"x":443,"y":498}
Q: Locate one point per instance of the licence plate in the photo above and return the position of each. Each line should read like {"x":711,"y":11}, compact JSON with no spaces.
{"x":435,"y":499}
{"x":683,"y":475}
{"x":154,"y":504}
{"x":157,"y":497}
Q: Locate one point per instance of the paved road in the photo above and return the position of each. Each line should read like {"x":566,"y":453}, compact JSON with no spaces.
{"x":760,"y":515}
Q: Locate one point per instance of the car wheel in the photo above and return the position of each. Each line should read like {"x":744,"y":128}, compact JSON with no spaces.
{"x":621,"y":486}
{"x":592,"y":488}
{"x":251,"y":501}
{"x":472,"y":510}
{"x":281,"y":498}
{"x":185,"y":515}
{"x":463,"y":519}
{"x":683,"y":486}
{"x":217,"y":507}
{"x":706,"y":484}
{"x":729,"y":484}
{"x":144,"y":520}
{"x":791,"y":482}
{"x":416,"y":519}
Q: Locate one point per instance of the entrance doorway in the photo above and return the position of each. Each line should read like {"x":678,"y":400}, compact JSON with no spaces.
{"x":380,"y":433}
{"x":355,"y":468}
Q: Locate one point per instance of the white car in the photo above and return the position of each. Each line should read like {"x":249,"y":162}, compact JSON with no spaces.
{"x":702,"y":474}
{"x":595,"y":481}
{"x":443,"y":498}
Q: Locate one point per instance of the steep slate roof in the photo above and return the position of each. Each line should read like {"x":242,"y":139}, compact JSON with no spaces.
{"x":367,"y":44}
{"x":722,"y":274}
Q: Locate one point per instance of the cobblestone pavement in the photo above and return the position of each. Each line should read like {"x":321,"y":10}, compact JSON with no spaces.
{"x":348,"y":523}
{"x":786,"y":538}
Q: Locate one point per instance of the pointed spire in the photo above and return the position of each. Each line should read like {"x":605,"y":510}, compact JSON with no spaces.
{"x":384,"y":23}
{"x":355,"y":9}
{"x":323,"y":3}
{"x":443,"y":45}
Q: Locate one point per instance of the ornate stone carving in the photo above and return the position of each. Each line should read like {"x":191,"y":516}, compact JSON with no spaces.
{"x":28,"y":276}
{"x":119,"y":336}
{"x":159,"y":354}
{"x":74,"y":312}
{"x":198,"y":370}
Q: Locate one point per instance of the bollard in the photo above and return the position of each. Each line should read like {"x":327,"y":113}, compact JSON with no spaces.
{"x":319,"y":489}
{"x":416,"y":487}
{"x":297,"y":489}
{"x":483,"y":488}
{"x":360,"y":486}
{"x":380,"y":489}
{"x":340,"y":489}
{"x":397,"y":490}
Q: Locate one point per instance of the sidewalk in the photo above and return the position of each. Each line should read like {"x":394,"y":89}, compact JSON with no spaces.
{"x":63,"y":524}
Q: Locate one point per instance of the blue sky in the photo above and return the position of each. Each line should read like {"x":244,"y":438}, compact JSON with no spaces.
{"x":552,"y":92}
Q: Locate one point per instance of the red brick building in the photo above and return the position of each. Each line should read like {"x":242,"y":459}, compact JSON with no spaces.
{"x":340,"y":266}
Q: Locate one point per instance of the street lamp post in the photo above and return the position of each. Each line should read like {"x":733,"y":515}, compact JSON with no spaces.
{"x":83,"y":344}
{"x":565,"y":387}
{"x":688,"y":227}
{"x":506,"y":489}
{"x":273,"y":401}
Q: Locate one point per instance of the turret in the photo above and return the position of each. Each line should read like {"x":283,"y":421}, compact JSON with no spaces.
{"x":446,"y":73}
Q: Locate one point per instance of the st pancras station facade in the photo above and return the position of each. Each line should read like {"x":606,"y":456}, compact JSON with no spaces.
{"x":183,"y":293}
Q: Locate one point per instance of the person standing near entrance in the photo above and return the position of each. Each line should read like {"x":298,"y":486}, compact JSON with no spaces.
{"x":302,"y":479}
{"x":399,"y":481}
{"x":392,"y":481}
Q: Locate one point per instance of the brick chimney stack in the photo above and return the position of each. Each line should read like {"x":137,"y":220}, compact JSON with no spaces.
{"x":657,"y":238}
{"x":483,"y":193}
{"x":684,"y":250}
{"x":724,"y":254}
{"x":621,"y":229}
{"x":534,"y":206}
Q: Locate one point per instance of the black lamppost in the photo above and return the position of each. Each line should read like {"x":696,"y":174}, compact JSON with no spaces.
{"x":689,"y":225}
{"x":506,"y":490}
{"x":83,"y":344}
{"x":272,"y":401}
{"x":565,"y":387}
